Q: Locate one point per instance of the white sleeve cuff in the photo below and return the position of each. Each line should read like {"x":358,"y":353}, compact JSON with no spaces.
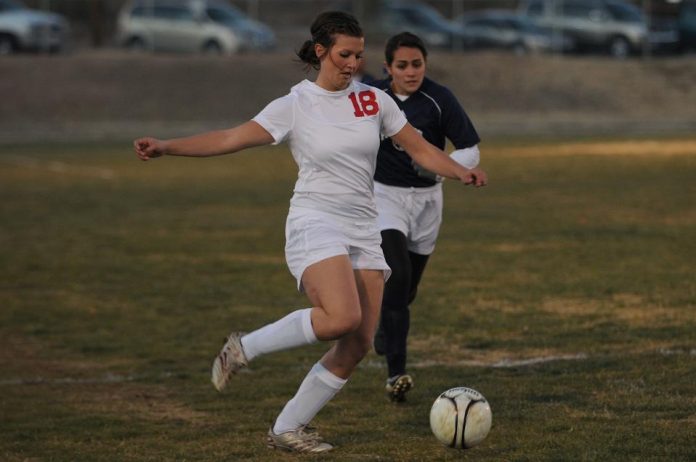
{"x":468,"y":157}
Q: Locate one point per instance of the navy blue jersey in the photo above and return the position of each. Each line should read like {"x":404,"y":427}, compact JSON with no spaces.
{"x":435,"y":112}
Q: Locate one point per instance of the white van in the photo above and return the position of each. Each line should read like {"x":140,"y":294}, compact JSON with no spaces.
{"x":179,"y":26}
{"x":24,"y":29}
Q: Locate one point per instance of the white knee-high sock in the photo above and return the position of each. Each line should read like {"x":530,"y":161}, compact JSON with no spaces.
{"x":318,"y":387}
{"x":291,"y":331}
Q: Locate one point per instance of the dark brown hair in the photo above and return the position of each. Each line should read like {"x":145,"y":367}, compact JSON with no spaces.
{"x":324,"y":28}
{"x":404,"y":39}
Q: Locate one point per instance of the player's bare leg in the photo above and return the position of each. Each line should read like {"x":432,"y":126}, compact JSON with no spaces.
{"x":350,"y":349}
{"x":325,"y":284}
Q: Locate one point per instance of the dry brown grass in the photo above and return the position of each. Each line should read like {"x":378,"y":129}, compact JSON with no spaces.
{"x":88,"y":386}
{"x":684,"y":147}
{"x":151,"y":402}
{"x":628,"y":309}
{"x":450,"y":352}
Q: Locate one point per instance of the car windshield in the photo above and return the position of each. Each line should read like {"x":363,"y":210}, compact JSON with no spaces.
{"x":535,"y":8}
{"x":527,"y":26}
{"x":226,"y":16}
{"x":423,"y":17}
{"x":8,"y":5}
{"x":502,"y":22}
{"x":625,"y":12}
{"x":435,"y":18}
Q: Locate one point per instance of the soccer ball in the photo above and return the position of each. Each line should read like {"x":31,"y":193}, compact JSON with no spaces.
{"x":460,"y":418}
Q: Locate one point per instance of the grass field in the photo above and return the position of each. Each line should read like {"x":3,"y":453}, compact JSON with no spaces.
{"x":564,"y":292}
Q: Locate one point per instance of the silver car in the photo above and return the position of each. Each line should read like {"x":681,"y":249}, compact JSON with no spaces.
{"x":180,"y":26}
{"x":507,"y":30}
{"x":24,"y":29}
{"x":614,"y":26}
{"x":254,"y":35}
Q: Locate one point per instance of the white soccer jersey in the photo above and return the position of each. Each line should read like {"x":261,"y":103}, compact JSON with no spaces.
{"x":334,"y":137}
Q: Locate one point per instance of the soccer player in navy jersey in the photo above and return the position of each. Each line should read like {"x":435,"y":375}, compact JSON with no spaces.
{"x":409,"y":197}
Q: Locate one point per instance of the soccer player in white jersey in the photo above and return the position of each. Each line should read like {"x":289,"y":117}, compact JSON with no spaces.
{"x":409,"y":197}
{"x":333,"y":127}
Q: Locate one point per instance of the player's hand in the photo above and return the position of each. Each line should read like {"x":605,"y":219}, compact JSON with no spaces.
{"x":148,"y":148}
{"x":475,"y":177}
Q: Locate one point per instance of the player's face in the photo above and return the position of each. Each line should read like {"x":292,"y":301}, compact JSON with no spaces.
{"x":340,"y":62}
{"x":407,"y":70}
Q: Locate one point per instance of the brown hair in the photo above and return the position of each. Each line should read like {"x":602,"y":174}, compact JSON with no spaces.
{"x":404,"y":39}
{"x":324,"y":28}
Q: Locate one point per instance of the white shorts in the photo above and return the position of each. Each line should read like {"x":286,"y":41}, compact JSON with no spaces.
{"x":312,"y":236}
{"x":416,"y":212}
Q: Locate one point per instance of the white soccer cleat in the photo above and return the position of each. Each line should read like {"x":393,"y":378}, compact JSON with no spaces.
{"x":303,"y":440}
{"x":230,"y":360}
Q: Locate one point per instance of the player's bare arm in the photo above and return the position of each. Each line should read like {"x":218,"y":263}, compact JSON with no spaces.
{"x":208,"y":144}
{"x":436,"y":160}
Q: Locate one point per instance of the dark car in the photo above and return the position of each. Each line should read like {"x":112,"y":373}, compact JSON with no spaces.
{"x":420,"y":19}
{"x":503,"y":29}
{"x":687,"y":26}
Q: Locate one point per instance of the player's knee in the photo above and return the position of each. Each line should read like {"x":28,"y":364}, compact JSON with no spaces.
{"x":344,"y":323}
{"x":400,"y":277}
{"x":395,"y":297}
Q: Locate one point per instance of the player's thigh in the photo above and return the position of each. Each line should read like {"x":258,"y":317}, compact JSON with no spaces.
{"x":425,"y":221}
{"x":330,"y":284}
{"x":395,"y":248}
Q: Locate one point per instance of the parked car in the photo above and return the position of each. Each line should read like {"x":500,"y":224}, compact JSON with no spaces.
{"x":187,"y":26}
{"x":614,"y":26}
{"x":508,"y":30}
{"x":24,"y":29}
{"x":420,"y":19}
{"x":255,"y":35}
{"x":687,"y":25}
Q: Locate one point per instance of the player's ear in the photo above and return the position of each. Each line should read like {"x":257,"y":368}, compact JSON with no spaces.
{"x":319,"y":50}
{"x":387,"y":68}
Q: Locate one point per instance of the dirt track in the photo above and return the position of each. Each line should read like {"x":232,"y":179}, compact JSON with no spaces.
{"x":112,"y":95}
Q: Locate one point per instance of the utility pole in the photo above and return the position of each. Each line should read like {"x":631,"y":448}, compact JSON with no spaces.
{"x":457,"y":10}
{"x":96,"y":22}
{"x":647,"y":11}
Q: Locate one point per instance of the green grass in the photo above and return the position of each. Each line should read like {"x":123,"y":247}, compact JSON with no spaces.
{"x":119,"y":279}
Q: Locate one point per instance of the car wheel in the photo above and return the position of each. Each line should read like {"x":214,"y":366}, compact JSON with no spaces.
{"x":212,"y":48}
{"x":619,"y":47}
{"x":136,"y":45}
{"x":7,"y":45}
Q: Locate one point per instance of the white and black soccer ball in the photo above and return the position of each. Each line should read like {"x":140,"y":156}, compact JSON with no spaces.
{"x":461,"y":418}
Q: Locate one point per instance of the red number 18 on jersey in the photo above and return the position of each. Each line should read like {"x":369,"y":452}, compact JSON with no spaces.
{"x":365,"y":103}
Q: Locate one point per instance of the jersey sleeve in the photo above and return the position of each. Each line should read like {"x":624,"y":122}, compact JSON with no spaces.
{"x":456,"y":124}
{"x":393,"y":120}
{"x":277,"y":118}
